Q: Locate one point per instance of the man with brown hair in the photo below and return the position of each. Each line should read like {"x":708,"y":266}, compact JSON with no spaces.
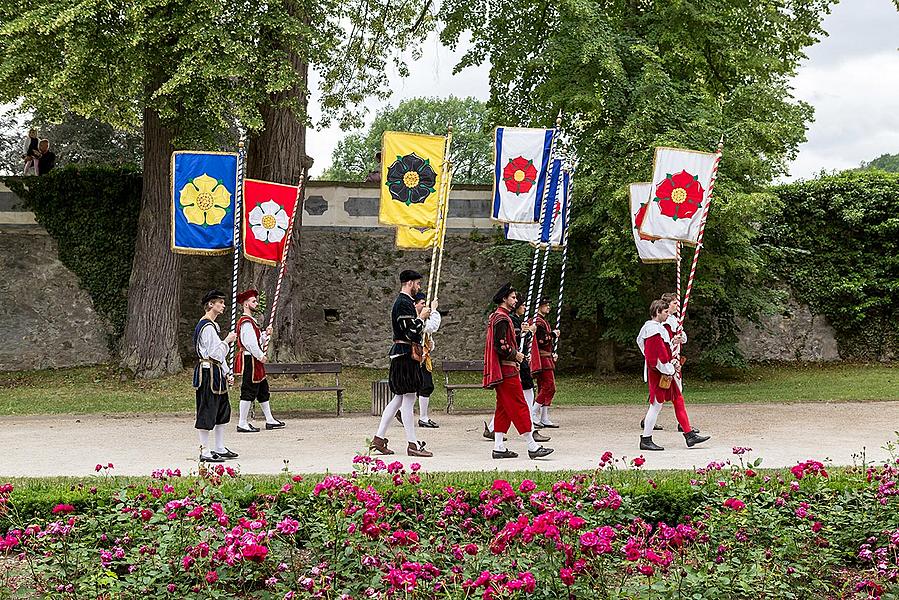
{"x":659,"y":374}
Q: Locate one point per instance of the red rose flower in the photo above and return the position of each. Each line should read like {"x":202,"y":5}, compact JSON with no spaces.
{"x":520,"y":175}
{"x":680,"y":196}
{"x":63,"y":508}
{"x":638,"y":220}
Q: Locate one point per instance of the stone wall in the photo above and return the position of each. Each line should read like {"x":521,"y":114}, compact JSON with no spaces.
{"x":794,"y":334}
{"x":46,"y":319}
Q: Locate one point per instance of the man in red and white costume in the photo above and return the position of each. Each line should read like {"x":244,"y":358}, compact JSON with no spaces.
{"x":501,"y":365}
{"x":655,"y":344}
{"x":249,"y":362}
{"x":678,"y":337}
{"x":543,"y":365}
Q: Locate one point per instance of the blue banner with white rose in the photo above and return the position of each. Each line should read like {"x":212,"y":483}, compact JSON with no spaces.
{"x":204,"y":190}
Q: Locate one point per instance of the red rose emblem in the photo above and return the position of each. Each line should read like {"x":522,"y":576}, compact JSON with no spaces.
{"x":680,"y":196}
{"x":638,"y":219}
{"x":520,"y":175}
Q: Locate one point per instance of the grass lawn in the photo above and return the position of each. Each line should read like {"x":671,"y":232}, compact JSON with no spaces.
{"x":103,"y":389}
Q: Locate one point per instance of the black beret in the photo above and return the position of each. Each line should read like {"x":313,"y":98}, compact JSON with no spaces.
{"x":544,"y":300}
{"x":213,"y":295}
{"x":409,"y":275}
{"x":503,"y":293}
{"x":419,"y":297}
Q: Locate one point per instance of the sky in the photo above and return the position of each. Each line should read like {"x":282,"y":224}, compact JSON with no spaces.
{"x":851,"y":78}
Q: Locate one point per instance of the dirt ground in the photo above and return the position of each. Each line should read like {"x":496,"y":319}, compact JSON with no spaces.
{"x":780,"y":433}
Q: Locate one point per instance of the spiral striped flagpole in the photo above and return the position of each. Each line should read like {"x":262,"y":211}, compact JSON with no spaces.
{"x":530,"y":308}
{"x":705,"y":216}
{"x":238,"y":222}
{"x":677,"y":260}
{"x":567,"y":221}
{"x":442,"y":216}
{"x":283,"y":268}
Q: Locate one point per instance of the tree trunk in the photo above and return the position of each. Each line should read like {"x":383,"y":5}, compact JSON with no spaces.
{"x":278,"y":154}
{"x":605,"y":349}
{"x":149,"y":345}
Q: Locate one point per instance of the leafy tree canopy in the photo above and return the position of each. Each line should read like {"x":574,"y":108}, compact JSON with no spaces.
{"x":884,"y":162}
{"x":472,"y":146}
{"x":630,"y":75}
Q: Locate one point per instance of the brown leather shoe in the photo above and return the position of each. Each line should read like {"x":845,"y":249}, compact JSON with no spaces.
{"x":379,"y":444}
{"x":418,"y":450}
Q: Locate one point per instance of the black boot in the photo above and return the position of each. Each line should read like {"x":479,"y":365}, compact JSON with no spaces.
{"x":681,"y":429}
{"x":646,"y":443}
{"x":694,"y":438}
{"x":655,"y":427}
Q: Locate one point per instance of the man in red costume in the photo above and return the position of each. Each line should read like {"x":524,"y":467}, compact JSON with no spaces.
{"x":501,"y":365}
{"x":655,"y":344}
{"x":543,"y":366}
{"x":249,"y":362}
{"x":678,"y":336}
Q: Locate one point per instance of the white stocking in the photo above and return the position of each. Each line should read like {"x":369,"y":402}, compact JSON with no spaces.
{"x":389,"y":413}
{"x":219,"y":432}
{"x":423,"y":402}
{"x":204,"y":441}
{"x":651,"y":416}
{"x":244,"y":411}
{"x":407,"y":410}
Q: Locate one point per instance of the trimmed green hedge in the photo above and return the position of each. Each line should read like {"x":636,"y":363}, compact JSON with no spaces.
{"x":836,"y":243}
{"x":92,"y":213}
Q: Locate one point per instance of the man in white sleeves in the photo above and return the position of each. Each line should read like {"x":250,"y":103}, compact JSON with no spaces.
{"x":212,"y":376}
{"x":249,"y":363}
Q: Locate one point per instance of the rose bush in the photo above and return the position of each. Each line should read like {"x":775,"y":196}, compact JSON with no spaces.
{"x":388,"y":531}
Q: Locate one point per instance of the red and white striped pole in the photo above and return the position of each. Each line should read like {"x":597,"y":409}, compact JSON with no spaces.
{"x":283,"y":268}
{"x":705,"y":216}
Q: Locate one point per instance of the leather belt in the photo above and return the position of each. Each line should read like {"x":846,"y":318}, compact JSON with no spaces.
{"x":509,"y":363}
{"x":544,"y":354}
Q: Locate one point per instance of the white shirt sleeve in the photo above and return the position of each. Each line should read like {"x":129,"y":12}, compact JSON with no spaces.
{"x":666,"y":368}
{"x":433,"y":323}
{"x":248,"y":341}
{"x":211,"y":346}
{"x":683,"y":335}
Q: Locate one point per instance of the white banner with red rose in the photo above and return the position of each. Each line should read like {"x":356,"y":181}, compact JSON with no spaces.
{"x":520,"y":173}
{"x":650,"y":250}
{"x":680,"y":188}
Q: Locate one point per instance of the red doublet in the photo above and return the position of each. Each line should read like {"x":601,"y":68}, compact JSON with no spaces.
{"x":258,"y":366}
{"x":501,"y":372}
{"x":656,"y":350}
{"x":545,"y":372}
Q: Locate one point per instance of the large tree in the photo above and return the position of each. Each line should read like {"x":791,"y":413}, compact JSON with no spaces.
{"x":633,"y":74}
{"x":472,"y":147}
{"x":183,"y":73}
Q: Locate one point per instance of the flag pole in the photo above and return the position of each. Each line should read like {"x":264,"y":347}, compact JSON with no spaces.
{"x":238,"y":222}
{"x":283,"y":268}
{"x":705,"y":216}
{"x":442,"y":212}
{"x":446,"y":184}
{"x":529,"y":311}
{"x":564,"y":257}
{"x":548,"y":245}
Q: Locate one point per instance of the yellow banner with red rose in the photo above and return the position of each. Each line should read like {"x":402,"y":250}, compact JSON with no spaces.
{"x":411,"y":173}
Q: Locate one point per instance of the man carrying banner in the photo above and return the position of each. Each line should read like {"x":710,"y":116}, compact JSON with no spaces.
{"x":544,"y":366}
{"x":527,"y":381}
{"x":659,"y":373}
{"x":249,"y":363}
{"x":405,"y":367}
{"x":211,"y":380}
{"x":432,"y":323}
{"x":677,"y":334}
{"x":501,"y":372}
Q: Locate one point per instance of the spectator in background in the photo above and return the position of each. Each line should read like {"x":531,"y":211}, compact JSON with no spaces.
{"x":47,"y":159}
{"x":30,"y":152}
{"x":375,"y":175}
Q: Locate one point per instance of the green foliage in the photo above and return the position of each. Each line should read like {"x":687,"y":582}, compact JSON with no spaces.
{"x":629,"y":76}
{"x":76,"y":139}
{"x":834,"y":242}
{"x":472,"y":147}
{"x":884,"y":162}
{"x":91,"y":212}
{"x":201,"y":65}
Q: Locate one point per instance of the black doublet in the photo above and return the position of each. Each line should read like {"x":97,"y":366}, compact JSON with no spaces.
{"x":405,"y":372}
{"x":527,"y":380}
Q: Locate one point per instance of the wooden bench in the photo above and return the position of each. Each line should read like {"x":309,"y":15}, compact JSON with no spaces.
{"x":309,"y":369}
{"x":459,"y":366}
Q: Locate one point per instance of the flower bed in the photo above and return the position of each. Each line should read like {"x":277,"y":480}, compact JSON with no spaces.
{"x":388,"y":531}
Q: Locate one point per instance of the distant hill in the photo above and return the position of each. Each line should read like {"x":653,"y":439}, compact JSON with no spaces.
{"x":884,"y":162}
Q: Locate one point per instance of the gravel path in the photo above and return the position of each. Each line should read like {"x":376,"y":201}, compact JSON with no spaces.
{"x":781,"y":433}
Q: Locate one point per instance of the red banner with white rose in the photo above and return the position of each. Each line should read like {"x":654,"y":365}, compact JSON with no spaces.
{"x":268,"y":213}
